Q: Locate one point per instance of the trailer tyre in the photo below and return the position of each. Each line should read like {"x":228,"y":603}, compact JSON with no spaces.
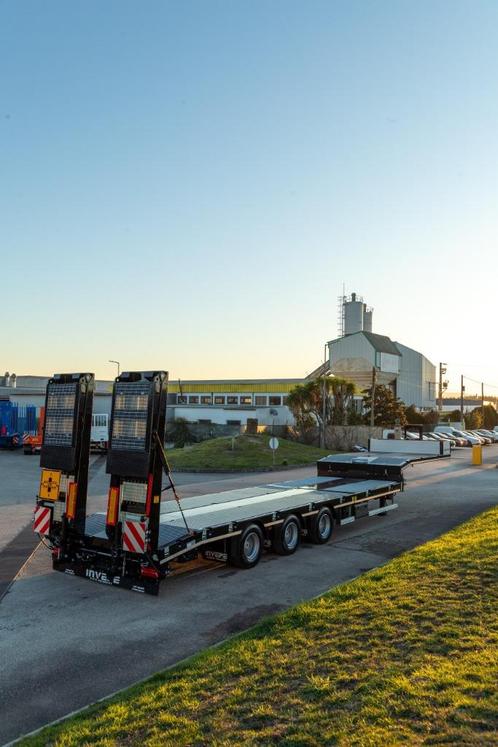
{"x":245,"y":550}
{"x":321,"y":526}
{"x":287,"y":536}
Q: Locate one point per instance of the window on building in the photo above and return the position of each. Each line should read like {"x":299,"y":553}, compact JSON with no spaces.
{"x":206,"y":400}
{"x":233,"y":422}
{"x":193,"y":399}
{"x":219,"y":400}
{"x":246,"y":400}
{"x":274,"y":401}
{"x":284,"y":400}
{"x":181,"y":400}
{"x":260,"y":400}
{"x":232,"y":400}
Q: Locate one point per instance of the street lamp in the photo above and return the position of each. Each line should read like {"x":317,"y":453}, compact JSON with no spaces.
{"x":117,"y":364}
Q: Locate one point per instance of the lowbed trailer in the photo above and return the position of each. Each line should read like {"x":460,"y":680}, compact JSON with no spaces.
{"x":142,"y":538}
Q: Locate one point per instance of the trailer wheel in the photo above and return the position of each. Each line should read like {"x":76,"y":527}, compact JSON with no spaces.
{"x":245,"y":550}
{"x":321,"y":526}
{"x":287,"y":536}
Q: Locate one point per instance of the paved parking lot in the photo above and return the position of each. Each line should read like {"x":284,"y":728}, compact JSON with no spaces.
{"x":65,"y":642}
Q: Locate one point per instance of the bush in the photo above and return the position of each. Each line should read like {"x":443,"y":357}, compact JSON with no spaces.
{"x":180,"y":434}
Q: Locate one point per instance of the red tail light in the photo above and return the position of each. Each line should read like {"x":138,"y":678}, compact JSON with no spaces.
{"x":148,"y":572}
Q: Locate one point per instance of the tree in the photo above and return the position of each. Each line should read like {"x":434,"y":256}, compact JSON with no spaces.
{"x":473,"y":419}
{"x":388,"y":409}
{"x":414,"y":417}
{"x":341,"y":392}
{"x":305,"y":401}
{"x":490,"y":417}
{"x":180,"y":433}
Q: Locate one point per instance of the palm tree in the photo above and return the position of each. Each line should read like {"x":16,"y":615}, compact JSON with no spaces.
{"x":306,"y":401}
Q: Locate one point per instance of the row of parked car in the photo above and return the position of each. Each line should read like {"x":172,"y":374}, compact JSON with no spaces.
{"x":457,"y":437}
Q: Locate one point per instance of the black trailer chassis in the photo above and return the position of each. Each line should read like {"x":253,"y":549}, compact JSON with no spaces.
{"x":219,"y":526}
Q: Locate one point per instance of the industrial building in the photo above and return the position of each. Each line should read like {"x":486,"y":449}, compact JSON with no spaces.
{"x":263,"y":402}
{"x":243,"y":402}
{"x":358,"y":351}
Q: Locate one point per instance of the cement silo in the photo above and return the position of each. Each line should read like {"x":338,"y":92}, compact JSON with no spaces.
{"x":367,"y":319}
{"x":353,"y":315}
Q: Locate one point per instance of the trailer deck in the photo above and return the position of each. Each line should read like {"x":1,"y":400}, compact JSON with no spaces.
{"x":222,"y":515}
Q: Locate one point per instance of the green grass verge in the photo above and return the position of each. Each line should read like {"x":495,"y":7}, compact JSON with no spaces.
{"x":249,"y":452}
{"x":406,"y":654}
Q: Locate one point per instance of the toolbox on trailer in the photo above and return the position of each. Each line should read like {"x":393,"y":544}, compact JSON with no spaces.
{"x":147,"y":532}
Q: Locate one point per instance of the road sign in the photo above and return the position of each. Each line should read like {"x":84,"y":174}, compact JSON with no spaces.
{"x":273,"y":444}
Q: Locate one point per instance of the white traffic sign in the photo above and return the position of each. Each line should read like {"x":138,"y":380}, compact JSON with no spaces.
{"x":273,"y":444}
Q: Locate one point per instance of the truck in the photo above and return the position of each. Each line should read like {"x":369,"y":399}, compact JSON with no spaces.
{"x":16,"y":422}
{"x":147,"y":532}
{"x":99,"y":437}
{"x":32,"y":442}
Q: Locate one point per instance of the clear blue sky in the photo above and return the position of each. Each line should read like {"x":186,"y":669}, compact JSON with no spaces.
{"x":188,"y":184}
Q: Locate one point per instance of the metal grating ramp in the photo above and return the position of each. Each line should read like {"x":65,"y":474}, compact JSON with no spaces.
{"x":95,"y":526}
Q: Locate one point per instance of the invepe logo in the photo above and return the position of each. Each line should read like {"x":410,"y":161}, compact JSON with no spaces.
{"x":99,"y":576}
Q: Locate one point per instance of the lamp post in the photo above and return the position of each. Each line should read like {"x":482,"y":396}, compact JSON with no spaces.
{"x":117,"y":364}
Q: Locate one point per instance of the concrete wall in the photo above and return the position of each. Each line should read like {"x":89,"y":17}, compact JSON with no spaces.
{"x":344,"y":437}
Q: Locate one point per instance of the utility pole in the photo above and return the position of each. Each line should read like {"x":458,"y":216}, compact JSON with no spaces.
{"x":462,"y":390}
{"x":324,"y":395}
{"x":442,"y":371}
{"x":372,"y":408}
{"x":482,"y":403}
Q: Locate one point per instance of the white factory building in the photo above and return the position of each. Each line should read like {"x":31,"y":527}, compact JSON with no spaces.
{"x":250,"y":403}
{"x":358,"y":350}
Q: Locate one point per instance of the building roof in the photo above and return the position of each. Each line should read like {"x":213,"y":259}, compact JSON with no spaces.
{"x":380,"y":343}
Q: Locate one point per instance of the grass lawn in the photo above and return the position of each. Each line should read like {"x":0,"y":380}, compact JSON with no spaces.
{"x":249,"y":452}
{"x":406,"y":654}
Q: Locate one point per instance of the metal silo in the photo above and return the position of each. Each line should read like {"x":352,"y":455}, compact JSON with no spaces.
{"x":353,"y":315}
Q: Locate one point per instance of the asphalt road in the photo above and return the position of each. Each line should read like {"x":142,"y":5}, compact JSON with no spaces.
{"x":20,"y":476}
{"x":65,"y":642}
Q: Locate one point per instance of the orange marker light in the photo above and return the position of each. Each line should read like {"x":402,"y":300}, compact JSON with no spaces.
{"x":112,"y":507}
{"x":72,"y":494}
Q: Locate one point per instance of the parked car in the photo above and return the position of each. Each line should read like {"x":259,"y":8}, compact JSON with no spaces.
{"x":466,"y":440}
{"x":454,"y":441}
{"x":471,"y":439}
{"x":483,"y":439}
{"x":490,"y":434}
{"x":415,"y":437}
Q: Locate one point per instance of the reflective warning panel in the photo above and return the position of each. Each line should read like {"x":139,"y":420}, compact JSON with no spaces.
{"x":130,"y":415}
{"x":60,"y":414}
{"x":68,"y":405}
{"x":49,"y":484}
{"x":138,"y":409}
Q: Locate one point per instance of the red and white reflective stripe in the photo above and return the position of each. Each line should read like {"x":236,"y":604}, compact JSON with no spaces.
{"x":42,"y":520}
{"x":134,"y":536}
